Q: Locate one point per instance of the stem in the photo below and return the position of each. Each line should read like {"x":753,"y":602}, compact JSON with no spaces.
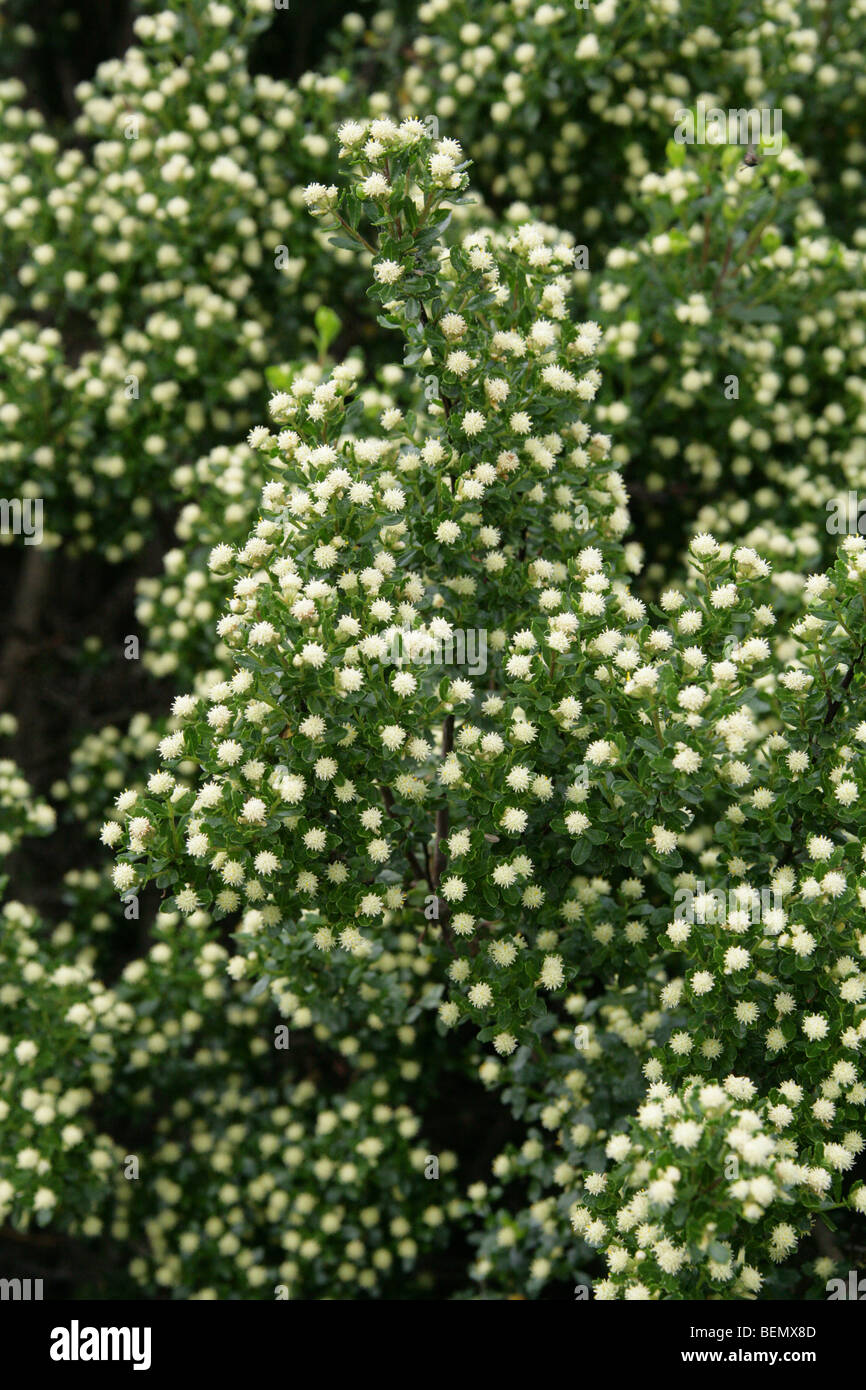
{"x":705,"y":249}
{"x":442,"y":815}
{"x":420,"y":875}
{"x":352,"y":233}
{"x":725,"y":263}
{"x":24,"y":620}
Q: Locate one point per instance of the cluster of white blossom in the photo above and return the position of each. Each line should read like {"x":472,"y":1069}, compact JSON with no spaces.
{"x":21,"y":812}
{"x":287,"y":1189}
{"x":559,"y":101}
{"x":518,"y":723}
{"x":168,"y":243}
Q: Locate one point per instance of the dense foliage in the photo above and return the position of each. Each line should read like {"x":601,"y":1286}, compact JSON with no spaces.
{"x":462,"y":892}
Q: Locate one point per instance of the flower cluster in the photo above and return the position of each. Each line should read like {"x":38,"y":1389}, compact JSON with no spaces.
{"x":498,"y":721}
{"x":257,"y":1182}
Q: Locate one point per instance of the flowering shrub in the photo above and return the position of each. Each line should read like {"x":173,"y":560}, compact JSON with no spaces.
{"x":175,"y":1045}
{"x":336,"y":788}
{"x":480,"y":803}
{"x":737,"y":299}
{"x":517,"y":74}
{"x":169,"y":258}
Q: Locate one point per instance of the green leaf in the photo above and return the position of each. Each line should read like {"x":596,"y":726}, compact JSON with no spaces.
{"x":280,"y":378}
{"x":327,"y":327}
{"x":753,"y":313}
